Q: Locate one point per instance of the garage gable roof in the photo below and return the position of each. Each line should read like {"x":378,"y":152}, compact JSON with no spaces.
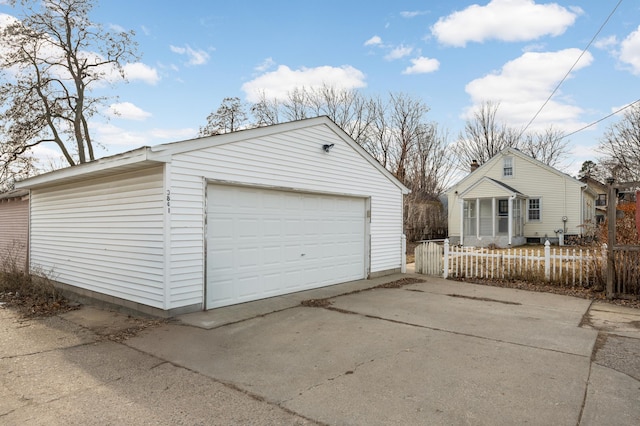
{"x":155,"y":155}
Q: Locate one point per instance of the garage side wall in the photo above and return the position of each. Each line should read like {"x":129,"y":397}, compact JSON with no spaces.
{"x":288,"y":160}
{"x":14,"y":232}
{"x":104,"y":235}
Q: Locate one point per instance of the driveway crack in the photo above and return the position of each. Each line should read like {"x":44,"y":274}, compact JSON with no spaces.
{"x":345,"y":311}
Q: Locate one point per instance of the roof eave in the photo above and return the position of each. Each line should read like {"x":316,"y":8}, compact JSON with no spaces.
{"x":131,"y":160}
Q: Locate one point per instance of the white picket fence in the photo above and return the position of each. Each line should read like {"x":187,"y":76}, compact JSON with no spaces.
{"x":567,"y":266}
{"x":429,"y":258}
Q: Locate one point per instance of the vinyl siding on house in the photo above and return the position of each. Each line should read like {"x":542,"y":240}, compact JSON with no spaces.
{"x":486,"y":189}
{"x":14,"y":231}
{"x":291,"y":160}
{"x":104,"y":235}
{"x":560,"y":195}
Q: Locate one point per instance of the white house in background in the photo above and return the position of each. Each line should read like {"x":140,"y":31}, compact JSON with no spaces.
{"x":219,"y":220}
{"x":514,"y":199}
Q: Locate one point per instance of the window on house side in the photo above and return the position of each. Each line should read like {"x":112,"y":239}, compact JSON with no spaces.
{"x":534,"y":209}
{"x":507,"y":169}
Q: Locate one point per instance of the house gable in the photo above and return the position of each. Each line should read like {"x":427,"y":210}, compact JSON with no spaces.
{"x":488,"y":187}
{"x":560,"y":195}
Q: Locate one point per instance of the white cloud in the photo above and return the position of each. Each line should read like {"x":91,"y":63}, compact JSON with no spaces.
{"x":116,"y":139}
{"x":279,"y":83}
{"x":142,"y":72}
{"x":373,"y":41}
{"x":127,"y":111}
{"x":265,"y":65}
{"x":524,"y":84}
{"x":413,"y":14}
{"x":111,"y":136}
{"x":117,"y":28}
{"x":630,"y":51}
{"x":195,"y":57}
{"x":422,"y":65}
{"x":506,"y":20}
{"x":398,"y":53}
{"x":606,"y":42}
{"x":173,"y":134}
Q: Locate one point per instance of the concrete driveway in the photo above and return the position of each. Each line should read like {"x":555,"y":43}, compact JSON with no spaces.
{"x":437,"y":352}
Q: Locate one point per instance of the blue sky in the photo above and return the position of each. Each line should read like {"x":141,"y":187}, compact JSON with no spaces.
{"x":450,"y":54}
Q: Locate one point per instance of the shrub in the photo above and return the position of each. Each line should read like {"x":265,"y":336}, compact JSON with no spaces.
{"x":32,"y":293}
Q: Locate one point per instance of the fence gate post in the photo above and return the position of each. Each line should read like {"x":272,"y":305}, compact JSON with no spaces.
{"x":445,"y":269}
{"x":612,"y":203}
{"x":547,"y":260}
{"x":403,"y":265}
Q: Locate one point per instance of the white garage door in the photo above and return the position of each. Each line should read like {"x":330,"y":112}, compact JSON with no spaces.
{"x":263,"y":243}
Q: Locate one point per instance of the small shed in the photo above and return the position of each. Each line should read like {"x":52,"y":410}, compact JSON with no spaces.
{"x":219,"y":220}
{"x":14,"y":229}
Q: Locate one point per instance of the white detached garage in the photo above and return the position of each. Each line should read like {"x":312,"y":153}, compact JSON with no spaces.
{"x":220,"y":220}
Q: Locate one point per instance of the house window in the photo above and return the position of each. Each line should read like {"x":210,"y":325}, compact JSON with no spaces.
{"x":507,"y":167}
{"x":602,"y":200}
{"x":503,"y":207}
{"x":469,"y":224}
{"x":518,"y":225}
{"x":535,"y":209}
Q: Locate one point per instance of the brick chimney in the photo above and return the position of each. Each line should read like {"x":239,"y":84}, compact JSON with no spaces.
{"x":474,"y":166}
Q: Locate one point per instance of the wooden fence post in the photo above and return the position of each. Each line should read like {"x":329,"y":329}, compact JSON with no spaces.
{"x":547,"y":260}
{"x":612,"y":202}
{"x":445,"y":269}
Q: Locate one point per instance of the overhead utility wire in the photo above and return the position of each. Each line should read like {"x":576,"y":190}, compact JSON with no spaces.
{"x":602,"y":119}
{"x":570,"y":69}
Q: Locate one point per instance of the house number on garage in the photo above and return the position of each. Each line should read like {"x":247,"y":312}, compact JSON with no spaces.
{"x":168,"y":201}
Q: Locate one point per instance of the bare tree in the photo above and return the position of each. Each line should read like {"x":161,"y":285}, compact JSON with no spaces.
{"x":550,"y":146}
{"x":431,"y":164}
{"x":484,"y":137}
{"x":12,"y":171}
{"x":428,"y":174}
{"x":407,"y":123}
{"x":621,"y":146}
{"x":51,"y":60}
{"x":229,"y":117}
{"x":349,"y":109}
{"x":295,"y":106}
{"x":266,"y":111}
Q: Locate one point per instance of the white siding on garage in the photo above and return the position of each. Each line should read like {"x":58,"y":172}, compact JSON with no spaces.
{"x":14,"y":229}
{"x":286,"y":160}
{"x":104,"y":235}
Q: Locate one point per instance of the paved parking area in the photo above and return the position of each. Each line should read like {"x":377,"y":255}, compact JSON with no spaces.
{"x":436,"y":352}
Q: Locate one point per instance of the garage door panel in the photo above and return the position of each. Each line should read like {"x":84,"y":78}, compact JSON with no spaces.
{"x":222,"y":227}
{"x":221,"y":259}
{"x":272,"y":227}
{"x":263,"y":243}
{"x":248,"y":286}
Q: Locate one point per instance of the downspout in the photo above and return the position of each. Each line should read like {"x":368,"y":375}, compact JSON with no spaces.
{"x":511,"y":198}
{"x":461,"y":201}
